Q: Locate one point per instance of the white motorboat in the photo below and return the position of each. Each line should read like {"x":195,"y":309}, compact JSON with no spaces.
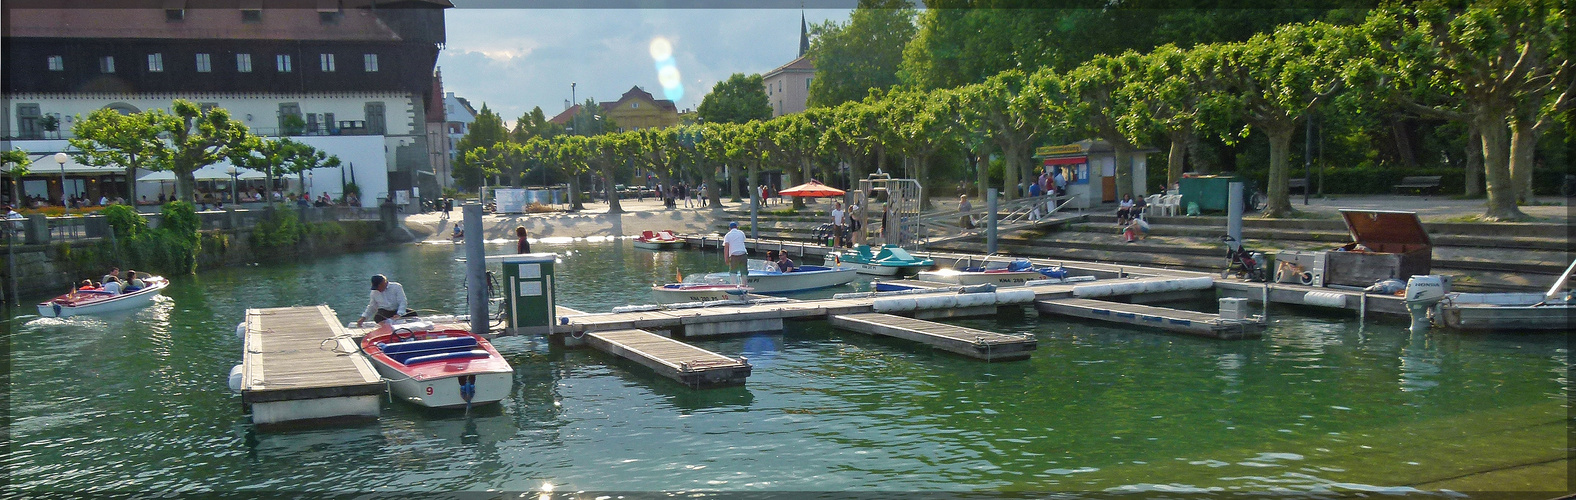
{"x":661,"y":240}
{"x":93,"y":301}
{"x":999,"y":273}
{"x":438,"y":368}
{"x":802,"y":278}
{"x":1430,"y":299}
{"x":678,"y":293}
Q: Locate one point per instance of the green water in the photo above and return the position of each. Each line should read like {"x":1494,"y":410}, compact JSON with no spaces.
{"x":137,"y":402}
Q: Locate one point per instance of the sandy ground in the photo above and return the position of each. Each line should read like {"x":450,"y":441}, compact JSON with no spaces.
{"x":639,"y":216}
{"x":594,"y":221}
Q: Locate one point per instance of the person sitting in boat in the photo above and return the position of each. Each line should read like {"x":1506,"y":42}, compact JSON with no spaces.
{"x":387,"y":301}
{"x":111,"y":285}
{"x":770,"y":265}
{"x":785,"y":264}
{"x":114,"y":272}
{"x":133,"y":283}
{"x":86,"y":285}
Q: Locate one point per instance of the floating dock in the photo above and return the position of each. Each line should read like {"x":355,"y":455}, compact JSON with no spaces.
{"x":979,"y":344}
{"x":1173,"y":320}
{"x":689,"y":365}
{"x":692,"y":366}
{"x":1336,"y":298}
{"x":301,"y":366}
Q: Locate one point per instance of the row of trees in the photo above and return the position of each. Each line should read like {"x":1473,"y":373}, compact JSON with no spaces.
{"x":1501,"y":69}
{"x":182,"y":140}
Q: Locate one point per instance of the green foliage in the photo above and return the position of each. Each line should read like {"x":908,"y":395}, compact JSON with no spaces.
{"x":199,"y":137}
{"x":278,"y":229}
{"x":107,"y":138}
{"x":535,"y":125}
{"x":124,"y":220}
{"x":738,"y":99}
{"x":850,"y":59}
{"x":292,"y":125}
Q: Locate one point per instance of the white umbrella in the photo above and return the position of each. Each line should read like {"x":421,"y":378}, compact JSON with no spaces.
{"x":217,"y":171}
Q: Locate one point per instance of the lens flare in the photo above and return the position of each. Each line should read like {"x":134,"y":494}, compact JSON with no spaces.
{"x":669,"y":77}
{"x":661,"y":49}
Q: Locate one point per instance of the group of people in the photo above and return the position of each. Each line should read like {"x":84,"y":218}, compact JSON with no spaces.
{"x":112,"y":283}
{"x":1130,"y":217}
{"x":737,"y":256}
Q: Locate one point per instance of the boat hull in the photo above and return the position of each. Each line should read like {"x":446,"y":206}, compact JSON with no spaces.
{"x":660,"y":245}
{"x":1499,"y":317}
{"x":702,"y":293}
{"x":121,"y":302}
{"x":768,"y":282}
{"x":1006,"y":278}
{"x":438,"y":383}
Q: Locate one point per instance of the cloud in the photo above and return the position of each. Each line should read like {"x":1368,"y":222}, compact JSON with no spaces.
{"x":515,"y":59}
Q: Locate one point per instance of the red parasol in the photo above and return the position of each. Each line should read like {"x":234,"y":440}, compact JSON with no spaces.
{"x":812,"y":189}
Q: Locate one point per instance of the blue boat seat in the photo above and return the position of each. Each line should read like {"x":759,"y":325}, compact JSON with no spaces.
{"x":407,"y":352}
{"x":445,"y":356}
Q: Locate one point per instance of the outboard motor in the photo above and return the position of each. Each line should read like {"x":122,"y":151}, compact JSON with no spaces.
{"x":1422,"y":294}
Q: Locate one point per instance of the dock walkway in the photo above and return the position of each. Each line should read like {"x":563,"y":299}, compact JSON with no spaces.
{"x":980,"y":344}
{"x":1174,"y":320}
{"x":299,"y":364}
{"x":689,"y":365}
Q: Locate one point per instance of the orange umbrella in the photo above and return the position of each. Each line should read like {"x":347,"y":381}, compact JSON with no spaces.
{"x":812,"y":189}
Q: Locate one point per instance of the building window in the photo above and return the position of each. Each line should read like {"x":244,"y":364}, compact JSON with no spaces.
{"x":370,"y":62}
{"x":57,"y":63}
{"x":174,"y":14}
{"x":779,"y":85}
{"x":634,"y":105}
{"x":251,"y":15}
{"x":283,"y":61}
{"x":107,"y":64}
{"x":27,"y":116}
{"x":204,"y":63}
{"x":328,"y":62}
{"x":243,"y":63}
{"x":376,"y":123}
{"x":155,"y":62}
{"x":807,"y":83}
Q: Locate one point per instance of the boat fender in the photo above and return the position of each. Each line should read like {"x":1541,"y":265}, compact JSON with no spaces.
{"x":1325,"y":299}
{"x":240,"y":331}
{"x":982,"y":288}
{"x":1019,"y":296}
{"x":235,"y":379}
{"x":57,"y":309}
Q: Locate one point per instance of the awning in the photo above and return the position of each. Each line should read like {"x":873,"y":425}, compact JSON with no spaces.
{"x":1070,"y":160}
{"x":217,"y":171}
{"x":46,"y":165}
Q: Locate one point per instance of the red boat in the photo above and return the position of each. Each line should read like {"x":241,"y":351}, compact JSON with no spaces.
{"x":438,"y":368}
{"x":661,"y":240}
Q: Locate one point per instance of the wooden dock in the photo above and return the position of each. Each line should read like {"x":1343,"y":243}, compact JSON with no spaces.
{"x":1174,"y":320}
{"x":979,"y":344}
{"x":300,"y":365}
{"x":1286,"y":293}
{"x":692,"y":366}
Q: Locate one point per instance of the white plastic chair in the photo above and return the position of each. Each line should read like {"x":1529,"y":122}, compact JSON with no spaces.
{"x":1172,"y":204}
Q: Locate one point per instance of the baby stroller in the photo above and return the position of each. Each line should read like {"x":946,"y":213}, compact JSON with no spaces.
{"x":1243,"y":263}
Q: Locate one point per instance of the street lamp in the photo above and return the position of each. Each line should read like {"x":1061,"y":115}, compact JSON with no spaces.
{"x":61,"y":158}
{"x":234,"y":176}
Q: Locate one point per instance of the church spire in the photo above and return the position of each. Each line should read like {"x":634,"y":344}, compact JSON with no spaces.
{"x":804,"y":35}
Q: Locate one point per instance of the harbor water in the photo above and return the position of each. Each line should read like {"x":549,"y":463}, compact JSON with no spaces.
{"x":137,"y":402}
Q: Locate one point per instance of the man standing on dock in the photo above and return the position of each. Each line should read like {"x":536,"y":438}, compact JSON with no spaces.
{"x":387,"y":301}
{"x":734,"y":252}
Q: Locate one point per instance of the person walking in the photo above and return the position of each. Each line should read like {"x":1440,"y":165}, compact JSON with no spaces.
{"x":734,"y":252}
{"x":523,"y":245}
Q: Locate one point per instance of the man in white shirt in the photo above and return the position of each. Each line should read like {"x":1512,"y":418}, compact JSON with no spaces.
{"x":387,"y":301}
{"x":111,"y":285}
{"x":837,"y":223}
{"x":733,"y":249}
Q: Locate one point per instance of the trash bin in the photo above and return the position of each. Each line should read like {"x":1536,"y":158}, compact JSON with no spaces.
{"x":1211,"y":192}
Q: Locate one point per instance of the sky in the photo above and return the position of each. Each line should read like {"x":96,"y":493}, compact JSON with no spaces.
{"x":516,"y":59}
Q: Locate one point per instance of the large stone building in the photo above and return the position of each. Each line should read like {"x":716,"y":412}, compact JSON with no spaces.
{"x":358,"y":74}
{"x":788,"y":86}
{"x":635,"y":110}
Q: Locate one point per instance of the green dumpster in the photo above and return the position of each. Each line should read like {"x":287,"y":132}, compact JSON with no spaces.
{"x":1210,"y":192}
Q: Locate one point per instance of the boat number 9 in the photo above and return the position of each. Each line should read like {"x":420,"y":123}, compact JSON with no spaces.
{"x":429,"y":390}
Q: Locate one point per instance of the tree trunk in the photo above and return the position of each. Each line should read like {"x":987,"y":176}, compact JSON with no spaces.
{"x":733,"y":184}
{"x":574,"y":195}
{"x":713,"y":193}
{"x":1124,"y":167}
{"x":1474,"y":161}
{"x":1401,"y":129}
{"x":185,"y":184}
{"x":1176,"y":159}
{"x":613,"y":207}
{"x":982,"y":170}
{"x":1523,"y":143}
{"x":1200,"y":166}
{"x":1496,"y":169}
{"x":131,"y":183}
{"x":1279,"y":203}
{"x":802,"y":177}
{"x":1009,"y":181}
{"x":754,"y":184}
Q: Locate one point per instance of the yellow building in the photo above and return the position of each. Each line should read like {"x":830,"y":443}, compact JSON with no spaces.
{"x":635,"y":110}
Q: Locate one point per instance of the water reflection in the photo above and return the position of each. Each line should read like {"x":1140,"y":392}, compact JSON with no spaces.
{"x":1419,"y":361}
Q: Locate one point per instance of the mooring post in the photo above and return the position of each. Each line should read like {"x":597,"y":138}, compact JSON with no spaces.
{"x":990,"y":221}
{"x":1234,"y":216}
{"x":475,"y":267}
{"x":1265,"y":298}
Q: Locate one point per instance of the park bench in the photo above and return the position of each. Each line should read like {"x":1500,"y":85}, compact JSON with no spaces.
{"x":1299,"y":184}
{"x":1420,"y":183}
